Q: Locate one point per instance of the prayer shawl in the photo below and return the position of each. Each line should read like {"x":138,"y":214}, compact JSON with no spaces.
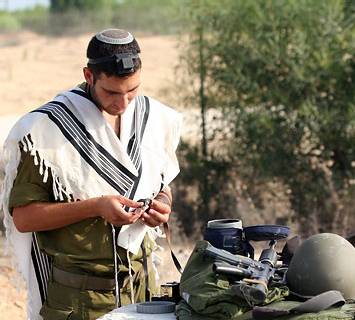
{"x":70,"y":136}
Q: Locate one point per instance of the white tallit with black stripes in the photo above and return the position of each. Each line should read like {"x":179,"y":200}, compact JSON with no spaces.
{"x":87,"y":159}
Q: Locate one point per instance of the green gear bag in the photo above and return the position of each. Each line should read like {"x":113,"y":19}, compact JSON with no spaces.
{"x":206,"y":296}
{"x":346,"y":312}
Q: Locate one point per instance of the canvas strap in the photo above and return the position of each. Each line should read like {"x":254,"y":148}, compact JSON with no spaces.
{"x":318,"y":303}
{"x":146,"y":272}
{"x":82,"y":281}
{"x":168,"y":239}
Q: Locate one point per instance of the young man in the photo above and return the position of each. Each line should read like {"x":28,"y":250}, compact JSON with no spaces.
{"x":76,"y":170}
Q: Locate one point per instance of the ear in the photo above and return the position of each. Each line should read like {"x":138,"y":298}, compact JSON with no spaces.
{"x":89,"y":76}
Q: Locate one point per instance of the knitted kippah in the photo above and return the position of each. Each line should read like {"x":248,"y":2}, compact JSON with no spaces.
{"x":114,"y":36}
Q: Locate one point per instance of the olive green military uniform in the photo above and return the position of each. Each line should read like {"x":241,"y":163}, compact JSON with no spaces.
{"x":85,"y":247}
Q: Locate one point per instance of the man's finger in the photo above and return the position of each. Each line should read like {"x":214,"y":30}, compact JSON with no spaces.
{"x":160,"y":207}
{"x":122,"y":217}
{"x":128,"y":202}
{"x":150,"y":220}
{"x":138,"y":212}
{"x":158,"y":216}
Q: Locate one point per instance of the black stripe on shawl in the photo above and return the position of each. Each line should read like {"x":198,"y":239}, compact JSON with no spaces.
{"x":140,"y":119}
{"x":145,"y":118}
{"x":84,"y":94}
{"x":139,"y":132}
{"x":42,"y":266}
{"x":88,"y":146}
{"x":98,"y":148}
{"x":81,"y":93}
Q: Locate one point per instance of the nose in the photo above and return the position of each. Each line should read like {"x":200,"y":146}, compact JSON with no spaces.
{"x":122,"y":100}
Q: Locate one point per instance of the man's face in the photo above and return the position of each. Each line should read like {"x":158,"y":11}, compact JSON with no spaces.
{"x":113,"y":94}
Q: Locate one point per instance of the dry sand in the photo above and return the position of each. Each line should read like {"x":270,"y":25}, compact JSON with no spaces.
{"x":33,"y":69}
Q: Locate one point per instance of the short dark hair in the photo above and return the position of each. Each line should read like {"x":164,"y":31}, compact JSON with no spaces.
{"x":98,"y":49}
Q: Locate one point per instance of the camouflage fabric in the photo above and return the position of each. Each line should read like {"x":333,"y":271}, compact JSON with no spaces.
{"x":346,"y":312}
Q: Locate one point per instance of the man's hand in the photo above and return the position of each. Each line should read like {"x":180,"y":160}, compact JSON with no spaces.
{"x":43,"y":216}
{"x":160,"y":209}
{"x":111,"y":209}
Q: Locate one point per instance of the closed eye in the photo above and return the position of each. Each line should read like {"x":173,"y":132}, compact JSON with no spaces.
{"x":111,"y":92}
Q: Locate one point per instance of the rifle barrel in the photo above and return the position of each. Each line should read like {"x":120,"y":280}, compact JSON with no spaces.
{"x":229,"y":270}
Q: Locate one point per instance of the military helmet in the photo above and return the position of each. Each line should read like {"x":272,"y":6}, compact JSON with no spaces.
{"x":323,"y":262}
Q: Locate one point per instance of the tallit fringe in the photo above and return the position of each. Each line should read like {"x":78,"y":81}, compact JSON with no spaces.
{"x":10,"y":165}
{"x":153,"y":234}
{"x":130,"y":274}
{"x":11,"y":156}
{"x":60,"y":192}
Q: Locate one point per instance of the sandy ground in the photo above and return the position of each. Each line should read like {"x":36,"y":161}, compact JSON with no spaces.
{"x":33,"y":69}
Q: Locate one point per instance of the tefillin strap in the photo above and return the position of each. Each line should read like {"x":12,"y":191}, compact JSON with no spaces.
{"x":126,"y":66}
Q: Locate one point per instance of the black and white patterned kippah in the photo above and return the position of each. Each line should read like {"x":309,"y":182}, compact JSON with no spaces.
{"x":115,"y":36}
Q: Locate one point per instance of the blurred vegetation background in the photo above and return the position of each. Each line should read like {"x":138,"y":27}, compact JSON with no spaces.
{"x":70,"y":17}
{"x":273,"y":82}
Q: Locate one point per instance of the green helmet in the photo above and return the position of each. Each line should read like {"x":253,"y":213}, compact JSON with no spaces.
{"x":323,"y":262}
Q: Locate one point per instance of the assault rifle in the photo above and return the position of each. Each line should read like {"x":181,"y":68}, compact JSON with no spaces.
{"x":251,"y":278}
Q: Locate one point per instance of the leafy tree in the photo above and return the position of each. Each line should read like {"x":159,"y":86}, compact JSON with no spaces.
{"x":65,"y":5}
{"x":155,"y":16}
{"x":283,"y":74}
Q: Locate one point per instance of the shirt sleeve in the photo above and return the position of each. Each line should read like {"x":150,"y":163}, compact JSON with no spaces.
{"x":29,"y":186}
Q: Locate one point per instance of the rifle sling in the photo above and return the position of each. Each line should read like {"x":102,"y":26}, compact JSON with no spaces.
{"x":168,"y":239}
{"x":146,"y":273}
{"x":318,"y":303}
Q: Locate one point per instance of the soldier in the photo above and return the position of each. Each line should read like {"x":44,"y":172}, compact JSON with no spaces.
{"x":76,"y":169}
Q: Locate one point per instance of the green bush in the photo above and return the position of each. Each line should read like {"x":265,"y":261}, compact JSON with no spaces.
{"x":283,"y":74}
{"x":73,"y":17}
{"x":89,"y":5}
{"x":155,"y":16}
{"x":35,"y":19}
{"x":8,"y":22}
